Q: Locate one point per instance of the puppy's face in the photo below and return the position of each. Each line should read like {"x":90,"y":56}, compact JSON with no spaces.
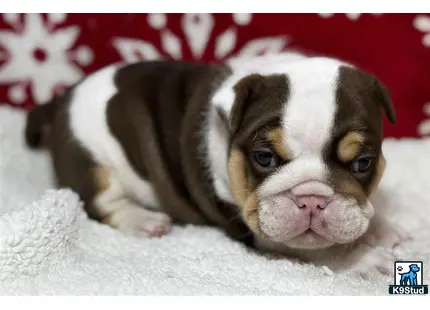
{"x":306,"y":152}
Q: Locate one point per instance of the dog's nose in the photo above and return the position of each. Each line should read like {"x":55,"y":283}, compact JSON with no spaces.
{"x":311,"y":202}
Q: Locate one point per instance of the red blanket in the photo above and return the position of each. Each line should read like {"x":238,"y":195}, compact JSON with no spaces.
{"x":42,"y":54}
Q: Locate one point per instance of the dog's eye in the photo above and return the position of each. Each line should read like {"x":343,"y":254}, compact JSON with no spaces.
{"x":361,"y":165}
{"x":266,"y":159}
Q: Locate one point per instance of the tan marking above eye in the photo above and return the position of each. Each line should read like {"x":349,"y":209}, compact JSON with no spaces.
{"x":277,"y":139}
{"x":350,"y":145}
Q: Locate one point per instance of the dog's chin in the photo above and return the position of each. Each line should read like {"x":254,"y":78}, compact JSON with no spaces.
{"x":308,"y":240}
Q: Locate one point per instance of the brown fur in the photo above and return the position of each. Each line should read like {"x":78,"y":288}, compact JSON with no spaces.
{"x":258,"y":101}
{"x":373,"y":93}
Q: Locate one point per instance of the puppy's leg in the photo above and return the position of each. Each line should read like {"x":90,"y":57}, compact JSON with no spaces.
{"x":105,"y":198}
{"x":118,"y":210}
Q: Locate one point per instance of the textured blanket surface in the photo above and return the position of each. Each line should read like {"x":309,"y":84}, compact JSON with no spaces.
{"x":49,"y":246}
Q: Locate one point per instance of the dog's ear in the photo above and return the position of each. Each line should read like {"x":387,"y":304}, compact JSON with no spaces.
{"x":367,"y":85}
{"x":383,"y":98}
{"x":255,"y":95}
{"x":247,"y":91}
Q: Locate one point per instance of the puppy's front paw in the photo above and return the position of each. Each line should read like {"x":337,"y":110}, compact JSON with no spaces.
{"x":156,"y":224}
{"x":386,"y":236}
{"x":376,"y":251}
{"x":375,"y":262}
{"x":140,"y":222}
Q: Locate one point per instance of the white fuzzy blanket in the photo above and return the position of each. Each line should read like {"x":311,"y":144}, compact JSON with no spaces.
{"x":49,"y":246}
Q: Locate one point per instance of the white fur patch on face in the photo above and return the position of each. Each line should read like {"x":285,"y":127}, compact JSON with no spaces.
{"x":309,"y":114}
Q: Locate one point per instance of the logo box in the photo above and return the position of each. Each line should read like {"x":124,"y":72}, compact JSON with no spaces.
{"x":408,"y":279}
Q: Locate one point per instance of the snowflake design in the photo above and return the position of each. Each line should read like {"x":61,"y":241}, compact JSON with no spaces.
{"x":38,"y":56}
{"x":422,"y":23}
{"x":351,"y":16}
{"x":424,"y":126}
{"x":197,"y":29}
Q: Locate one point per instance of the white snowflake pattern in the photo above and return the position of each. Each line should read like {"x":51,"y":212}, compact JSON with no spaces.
{"x":40,"y":55}
{"x":424,"y":126}
{"x":422,"y":23}
{"x":351,"y":16}
{"x":197,"y":29}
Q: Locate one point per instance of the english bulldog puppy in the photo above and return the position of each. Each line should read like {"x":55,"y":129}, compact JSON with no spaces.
{"x":282,"y":152}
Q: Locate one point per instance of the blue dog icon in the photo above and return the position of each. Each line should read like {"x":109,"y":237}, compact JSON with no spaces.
{"x":410,"y":276}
